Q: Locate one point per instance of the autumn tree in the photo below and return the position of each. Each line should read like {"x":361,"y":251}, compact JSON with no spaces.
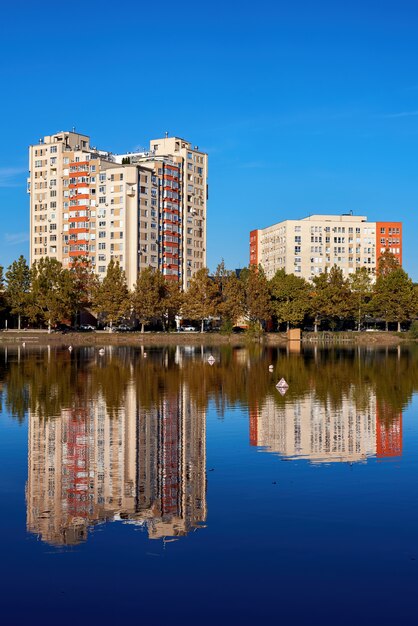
{"x":148,"y":296}
{"x":201,"y":299}
{"x":394,"y":297}
{"x":2,"y":291}
{"x":111,"y":296}
{"x":18,"y":287}
{"x":290,"y":298}
{"x":172,"y":302}
{"x":257,"y":298}
{"x":361,"y":289}
{"x":232,"y":302}
{"x":85,"y":283}
{"x":52,"y":294}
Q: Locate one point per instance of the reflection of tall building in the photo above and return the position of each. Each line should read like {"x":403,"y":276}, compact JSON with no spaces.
{"x":307,"y":428}
{"x":143,"y":465}
{"x":388,"y":431}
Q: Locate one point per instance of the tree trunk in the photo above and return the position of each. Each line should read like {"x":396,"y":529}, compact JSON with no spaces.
{"x":18,"y":322}
{"x":387,"y":325}
{"x":399,"y":327}
{"x":142,"y":327}
{"x":110,"y":326}
{"x":316,"y":325}
{"x":201,"y":326}
{"x":287,"y":326}
{"x":359,"y":319}
{"x":49,"y":326}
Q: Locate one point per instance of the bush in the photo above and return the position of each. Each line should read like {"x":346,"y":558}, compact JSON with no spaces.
{"x":413,"y":331}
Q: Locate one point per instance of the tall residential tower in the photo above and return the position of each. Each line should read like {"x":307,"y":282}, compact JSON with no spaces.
{"x":143,"y":209}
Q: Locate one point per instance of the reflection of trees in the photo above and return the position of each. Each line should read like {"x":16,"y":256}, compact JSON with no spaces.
{"x":48,"y":381}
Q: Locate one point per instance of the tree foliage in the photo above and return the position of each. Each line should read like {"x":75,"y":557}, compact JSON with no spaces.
{"x":331,"y":297}
{"x":18,"y":287}
{"x":201,"y":299}
{"x":52,"y":295}
{"x":148,"y":297}
{"x":257,"y":305}
{"x":290,"y":298}
{"x":111,"y":296}
{"x":394,"y":297}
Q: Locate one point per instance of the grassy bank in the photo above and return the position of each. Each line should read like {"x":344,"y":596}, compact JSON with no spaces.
{"x":40,"y":337}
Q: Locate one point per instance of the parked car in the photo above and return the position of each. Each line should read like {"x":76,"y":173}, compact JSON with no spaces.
{"x":188,"y":329}
{"x":86,"y":328}
{"x":63,"y":328}
{"x":122,"y":328}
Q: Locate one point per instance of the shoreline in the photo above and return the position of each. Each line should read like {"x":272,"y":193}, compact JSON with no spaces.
{"x":42,"y":337}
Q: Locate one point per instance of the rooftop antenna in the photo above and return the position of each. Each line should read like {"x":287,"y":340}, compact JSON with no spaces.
{"x":166,"y":134}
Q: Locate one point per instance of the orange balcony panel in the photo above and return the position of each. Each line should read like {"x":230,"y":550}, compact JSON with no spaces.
{"x":78,"y":219}
{"x":76,"y":174}
{"x":79,"y":253}
{"x":75,"y":231}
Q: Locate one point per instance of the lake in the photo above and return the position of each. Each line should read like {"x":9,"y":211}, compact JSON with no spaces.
{"x":158,"y":485}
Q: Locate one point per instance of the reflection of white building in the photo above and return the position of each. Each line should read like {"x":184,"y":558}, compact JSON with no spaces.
{"x":144,"y":465}
{"x":308,"y":429}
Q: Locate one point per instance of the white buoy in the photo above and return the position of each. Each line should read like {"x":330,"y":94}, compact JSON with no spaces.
{"x":23,"y":344}
{"x":211,"y":360}
{"x":101,"y":351}
{"x":70,"y":348}
{"x":271,"y":368}
{"x":145,"y":355}
{"x":282,"y":384}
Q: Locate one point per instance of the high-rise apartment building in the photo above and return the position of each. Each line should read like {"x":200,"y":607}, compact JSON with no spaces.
{"x":309,"y":246}
{"x":143,"y":209}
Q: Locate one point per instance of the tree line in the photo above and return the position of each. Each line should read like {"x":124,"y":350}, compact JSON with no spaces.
{"x":49,"y":294}
{"x":328,"y":376}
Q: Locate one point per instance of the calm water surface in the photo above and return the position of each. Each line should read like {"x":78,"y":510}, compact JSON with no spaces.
{"x":151,"y":487}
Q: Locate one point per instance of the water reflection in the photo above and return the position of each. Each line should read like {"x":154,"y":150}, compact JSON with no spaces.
{"x":319,"y":432}
{"x":98,"y":462}
{"x":123,"y":436}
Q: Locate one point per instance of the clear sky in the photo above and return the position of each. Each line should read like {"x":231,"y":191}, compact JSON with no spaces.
{"x":303,"y":106}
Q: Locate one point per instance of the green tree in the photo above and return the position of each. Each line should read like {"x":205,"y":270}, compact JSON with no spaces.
{"x":361,"y":289}
{"x":18,"y":287}
{"x":331,"y":297}
{"x":387,"y":263}
{"x":52,"y":294}
{"x":201,"y":299}
{"x":148,"y":296}
{"x":111,"y":296}
{"x":394,"y":297}
{"x":290,"y":298}
{"x":257,"y":296}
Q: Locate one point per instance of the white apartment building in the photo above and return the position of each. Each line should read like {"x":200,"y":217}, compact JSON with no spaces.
{"x":143,"y":209}
{"x":310,"y":246}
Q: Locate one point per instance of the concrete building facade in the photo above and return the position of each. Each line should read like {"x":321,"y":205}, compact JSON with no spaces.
{"x":143,"y":209}
{"x":312,"y":245}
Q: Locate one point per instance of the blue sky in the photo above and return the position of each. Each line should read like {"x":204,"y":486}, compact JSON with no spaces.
{"x":304,"y":107}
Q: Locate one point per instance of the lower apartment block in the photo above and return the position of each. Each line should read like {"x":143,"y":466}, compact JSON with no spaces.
{"x":312,"y":245}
